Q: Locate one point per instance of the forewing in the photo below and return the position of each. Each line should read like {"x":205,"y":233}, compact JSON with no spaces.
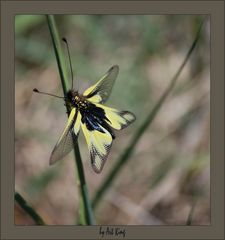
{"x":100,"y":92}
{"x":65,"y":143}
{"x":117,"y":119}
{"x":99,"y":144}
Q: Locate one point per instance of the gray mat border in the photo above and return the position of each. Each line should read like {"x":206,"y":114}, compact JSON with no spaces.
{"x":216,"y":11}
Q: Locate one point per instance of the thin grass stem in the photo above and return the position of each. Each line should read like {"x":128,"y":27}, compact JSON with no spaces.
{"x":28,"y":209}
{"x":140,"y":131}
{"x":191,"y":213}
{"x":87,"y":212}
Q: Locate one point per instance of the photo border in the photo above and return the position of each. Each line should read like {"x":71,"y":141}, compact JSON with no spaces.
{"x":8,"y":11}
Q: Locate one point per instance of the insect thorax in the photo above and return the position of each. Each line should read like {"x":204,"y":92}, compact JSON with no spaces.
{"x":92,"y":116}
{"x":74,"y":99}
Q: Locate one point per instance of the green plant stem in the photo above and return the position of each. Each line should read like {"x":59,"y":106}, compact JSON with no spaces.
{"x":28,"y":209}
{"x":88,"y":213}
{"x":190,"y":215}
{"x":58,"y":53}
{"x":147,"y":122}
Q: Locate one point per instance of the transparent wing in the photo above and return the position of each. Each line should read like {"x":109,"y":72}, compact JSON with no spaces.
{"x":100,"y":92}
{"x":99,"y":144}
{"x":65,"y":143}
{"x":117,"y":119}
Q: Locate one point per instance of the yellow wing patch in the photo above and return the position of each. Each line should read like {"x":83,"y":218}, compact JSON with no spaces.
{"x":118,"y":119}
{"x":77,"y":123}
{"x":100,"y":92}
{"x":99,"y":144}
{"x":65,"y":143}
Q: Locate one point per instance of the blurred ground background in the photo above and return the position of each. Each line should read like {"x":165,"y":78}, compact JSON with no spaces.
{"x":169,"y":171}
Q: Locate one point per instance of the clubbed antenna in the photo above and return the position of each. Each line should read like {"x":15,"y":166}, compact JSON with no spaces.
{"x":53,"y":95}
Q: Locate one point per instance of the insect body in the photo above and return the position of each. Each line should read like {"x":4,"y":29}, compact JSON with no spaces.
{"x":96,"y":121}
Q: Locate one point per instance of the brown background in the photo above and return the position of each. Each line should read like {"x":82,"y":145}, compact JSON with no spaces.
{"x":215,"y":9}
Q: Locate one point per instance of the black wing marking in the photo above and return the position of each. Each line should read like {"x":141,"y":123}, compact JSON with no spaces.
{"x":99,"y":144}
{"x":115,"y":118}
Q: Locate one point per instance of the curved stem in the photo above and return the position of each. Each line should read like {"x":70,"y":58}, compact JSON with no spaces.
{"x":87,"y":212}
{"x":28,"y":209}
{"x":147,"y":122}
